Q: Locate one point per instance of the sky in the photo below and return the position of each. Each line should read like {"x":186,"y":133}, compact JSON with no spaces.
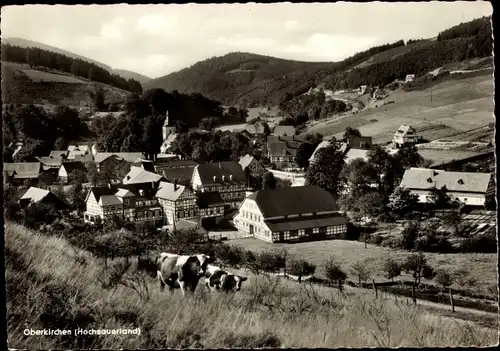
{"x":155,"y":40}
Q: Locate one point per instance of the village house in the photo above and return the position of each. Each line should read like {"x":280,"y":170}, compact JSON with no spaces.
{"x":182,"y":175}
{"x":409,"y":78}
{"x":113,"y":159}
{"x":225,"y":177}
{"x":210,"y":208}
{"x":405,"y":135}
{"x":78,"y":150}
{"x":177,"y":201}
{"x":17,"y":173}
{"x":67,"y":168}
{"x":282,"y":150}
{"x":251,"y":165}
{"x":471,"y":189}
{"x":49,"y":162}
{"x":36,"y":196}
{"x":362,"y":89}
{"x":147,"y":165}
{"x":291,"y":214}
{"x":62,"y":154}
{"x":255,"y":129}
{"x":362,"y":142}
{"x":137,"y":175}
{"x":132,"y":202}
{"x":322,"y":145}
{"x":283,"y":131}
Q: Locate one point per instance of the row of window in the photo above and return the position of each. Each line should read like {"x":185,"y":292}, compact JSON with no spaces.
{"x":225,"y":188}
{"x":252,"y":216}
{"x":290,"y":234}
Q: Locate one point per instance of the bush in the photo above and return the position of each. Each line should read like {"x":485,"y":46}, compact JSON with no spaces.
{"x":229,"y":255}
{"x":485,"y":243}
{"x":392,"y":269}
{"x":270,"y":261}
{"x":334,"y":273}
{"x":392,"y":242}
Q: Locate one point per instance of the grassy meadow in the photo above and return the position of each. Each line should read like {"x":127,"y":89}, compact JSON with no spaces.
{"x":53,"y":285}
{"x":483,"y":267}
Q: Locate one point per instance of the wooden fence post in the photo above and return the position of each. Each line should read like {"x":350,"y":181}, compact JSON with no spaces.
{"x":375,"y":288}
{"x":451,"y":300}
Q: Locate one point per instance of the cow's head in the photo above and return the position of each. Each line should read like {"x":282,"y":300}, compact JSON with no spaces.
{"x":204,"y":261}
{"x":232,"y":282}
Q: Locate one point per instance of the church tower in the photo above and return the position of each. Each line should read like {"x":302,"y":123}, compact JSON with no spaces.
{"x":167,"y":128}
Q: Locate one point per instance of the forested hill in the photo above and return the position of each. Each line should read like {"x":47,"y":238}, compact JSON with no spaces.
{"x":57,"y":59}
{"x":252,"y":80}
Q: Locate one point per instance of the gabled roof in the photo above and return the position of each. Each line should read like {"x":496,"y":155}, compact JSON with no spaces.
{"x":425,"y":179}
{"x":84,"y":158}
{"x":119,"y":189}
{"x":181,"y":175}
{"x":147,"y":165}
{"x":286,"y":148}
{"x":255,"y":128}
{"x":403,"y":129}
{"x":109,"y":200}
{"x":50,"y":161}
{"x":174,"y":163}
{"x":58,"y":153}
{"x":129,"y":157}
{"x":220,"y":170}
{"x":321,"y":145}
{"x":35,"y":194}
{"x":170,"y":191}
{"x":353,"y":154}
{"x":246,"y":160}
{"x":23,"y":170}
{"x":284,"y":130}
{"x":139,"y":175}
{"x":72,"y":166}
{"x":124,"y":193}
{"x":279,"y":138}
{"x":208,"y":199}
{"x":294,"y":200}
{"x":79,"y":148}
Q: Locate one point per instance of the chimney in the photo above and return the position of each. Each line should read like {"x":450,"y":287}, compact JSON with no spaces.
{"x":231,"y":177}
{"x":214,"y":179}
{"x":223,"y":177}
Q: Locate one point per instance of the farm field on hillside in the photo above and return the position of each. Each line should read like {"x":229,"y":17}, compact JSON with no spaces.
{"x":41,"y":76}
{"x":57,"y":281}
{"x":481,"y":266}
{"x":458,"y":105}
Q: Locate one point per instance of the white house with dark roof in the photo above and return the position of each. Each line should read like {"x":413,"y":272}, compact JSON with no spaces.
{"x":36,"y":196}
{"x":405,"y":135}
{"x":225,"y":177}
{"x":177,"y":201}
{"x":471,"y":189}
{"x":291,"y":214}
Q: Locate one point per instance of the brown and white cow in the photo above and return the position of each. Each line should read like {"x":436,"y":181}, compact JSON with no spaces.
{"x":181,"y":271}
{"x":217,"y":279}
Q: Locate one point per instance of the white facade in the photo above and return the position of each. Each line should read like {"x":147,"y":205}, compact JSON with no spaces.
{"x":249,"y":219}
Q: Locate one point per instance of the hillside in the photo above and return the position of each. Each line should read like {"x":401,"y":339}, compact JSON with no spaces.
{"x":51,"y":284}
{"x":23,"y":85}
{"x":254,"y":80}
{"x":25,"y":43}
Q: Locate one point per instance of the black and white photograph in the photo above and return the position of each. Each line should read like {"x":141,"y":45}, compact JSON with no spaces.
{"x":249,"y":175}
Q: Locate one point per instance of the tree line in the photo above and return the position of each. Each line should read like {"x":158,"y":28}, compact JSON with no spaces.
{"x":36,"y":57}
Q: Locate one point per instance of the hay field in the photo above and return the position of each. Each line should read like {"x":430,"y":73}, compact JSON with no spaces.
{"x":51,"y":285}
{"x":42,"y":76}
{"x":457,"y":105}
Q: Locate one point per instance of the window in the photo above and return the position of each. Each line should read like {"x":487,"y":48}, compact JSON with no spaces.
{"x":294,"y":233}
{"x":287,"y":233}
{"x":329,"y":230}
{"x":315,"y":230}
{"x":302,"y":232}
{"x":126,"y":201}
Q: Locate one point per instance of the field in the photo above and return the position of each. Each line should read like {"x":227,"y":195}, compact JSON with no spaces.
{"x":23,"y":85}
{"x":52,"y":285}
{"x":448,"y":108}
{"x":481,"y":266}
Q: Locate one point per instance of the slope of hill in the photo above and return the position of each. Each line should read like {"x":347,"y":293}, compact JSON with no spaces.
{"x":255,"y":80}
{"x":51,"y":284}
{"x":24,"y":85}
{"x":25,"y":43}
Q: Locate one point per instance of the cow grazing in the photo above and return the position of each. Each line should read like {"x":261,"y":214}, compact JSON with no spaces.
{"x":181,"y":271}
{"x":218,"y":280}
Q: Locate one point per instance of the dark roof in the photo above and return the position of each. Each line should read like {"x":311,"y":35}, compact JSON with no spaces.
{"x":150,"y":189}
{"x":182,"y":174}
{"x":175,"y":163}
{"x":72,"y":166}
{"x":209,"y":199}
{"x":306,"y":222}
{"x":208,"y":171}
{"x":294,"y":200}
{"x":22,"y":170}
{"x":283,"y":148}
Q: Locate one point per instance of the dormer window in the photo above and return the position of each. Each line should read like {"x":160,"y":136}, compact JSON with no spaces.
{"x":460,"y":181}
{"x":429,"y":180}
